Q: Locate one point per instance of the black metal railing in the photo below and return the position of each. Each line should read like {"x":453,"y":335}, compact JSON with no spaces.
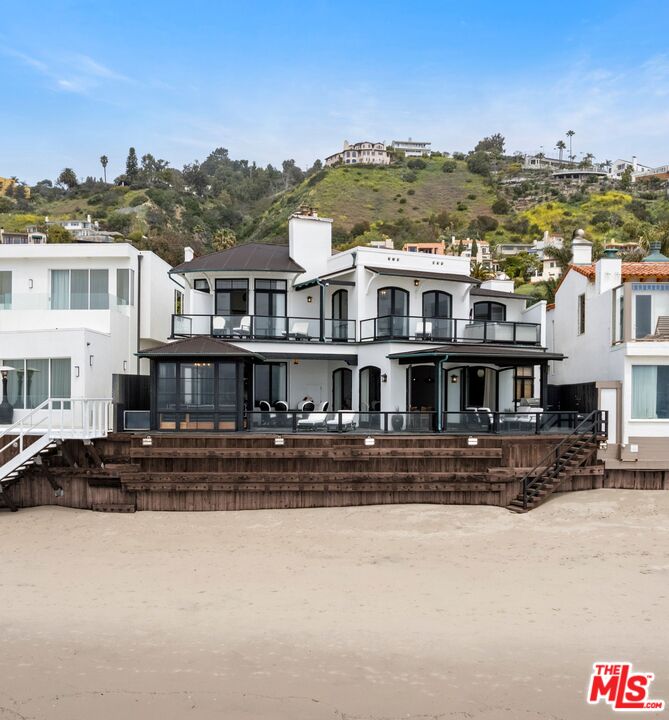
{"x":432,"y":329}
{"x":263,"y":327}
{"x":591,"y":427}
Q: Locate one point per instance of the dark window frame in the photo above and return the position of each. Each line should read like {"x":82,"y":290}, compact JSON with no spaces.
{"x":438,"y":294}
{"x":489,"y":304}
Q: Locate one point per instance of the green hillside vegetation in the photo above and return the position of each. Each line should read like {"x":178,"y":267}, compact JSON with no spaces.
{"x":213,"y":204}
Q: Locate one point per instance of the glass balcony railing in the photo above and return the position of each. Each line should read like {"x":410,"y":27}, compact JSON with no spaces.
{"x":262,"y":327}
{"x":428,"y":329}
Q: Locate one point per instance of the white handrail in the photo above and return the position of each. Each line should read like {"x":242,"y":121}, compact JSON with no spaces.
{"x":75,"y":418}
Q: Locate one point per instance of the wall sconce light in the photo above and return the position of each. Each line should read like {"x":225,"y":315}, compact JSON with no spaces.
{"x":384,"y":377}
{"x":369,"y":441}
{"x":296,"y":362}
{"x":416,"y":283}
{"x":309,"y":299}
{"x":30,"y":284}
{"x":454,"y":379}
{"x":279,"y":441}
{"x":125,"y":366}
{"x":471,"y":441}
{"x":147,"y":441}
{"x":90,"y":360}
{"x":480,"y":372}
{"x":76,"y":371}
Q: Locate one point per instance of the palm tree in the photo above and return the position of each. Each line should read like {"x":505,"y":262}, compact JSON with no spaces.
{"x":549,"y":288}
{"x":570,"y":134}
{"x":104,"y":161}
{"x":479,"y":272}
{"x":560,"y":146}
{"x":561,"y":255}
{"x":588,"y":158}
{"x":540,"y":157}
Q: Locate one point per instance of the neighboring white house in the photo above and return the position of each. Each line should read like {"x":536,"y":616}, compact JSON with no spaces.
{"x":362,"y":153}
{"x":611,"y":321}
{"x":412,"y":148}
{"x":86,"y":230}
{"x":619,"y":166}
{"x":33,"y":237}
{"x":72,"y":316}
{"x":366,"y":330}
{"x":550,"y":269}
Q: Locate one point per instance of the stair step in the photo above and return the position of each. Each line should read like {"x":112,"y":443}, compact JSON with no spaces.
{"x":114,"y":507}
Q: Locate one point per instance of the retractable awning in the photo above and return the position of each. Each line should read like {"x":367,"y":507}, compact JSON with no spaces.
{"x":480,"y":352}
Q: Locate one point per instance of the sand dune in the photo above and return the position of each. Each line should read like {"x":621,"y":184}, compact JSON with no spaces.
{"x":377,"y":612}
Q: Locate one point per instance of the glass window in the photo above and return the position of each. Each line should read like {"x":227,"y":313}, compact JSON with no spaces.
{"x":232,"y":297}
{"x":270,"y":298}
{"x":437,"y":304}
{"x":15,"y":383}
{"x":270,"y":383}
{"x":36,"y":382}
{"x":79,"y":289}
{"x":167,"y":386}
{"x":60,"y":289}
{"x":581,"y":314}
{"x":227,"y":386}
{"x":340,"y":315}
{"x":99,"y":285}
{"x":650,"y":392}
{"x":125,"y":286}
{"x":493,"y":311}
{"x":393,"y":311}
{"x":342,"y":393}
{"x":178,"y":302}
{"x":197,"y":385}
{"x":61,"y":378}
{"x":370,"y":389}
{"x":642,"y":306}
{"x":5,"y":290}
{"x":524,"y":383}
{"x":37,"y":379}
{"x":201,"y":285}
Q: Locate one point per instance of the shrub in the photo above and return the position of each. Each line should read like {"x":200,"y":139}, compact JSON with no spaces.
{"x":409,"y":176}
{"x":416,"y":164}
{"x":449,"y":166}
{"x":403,"y":201}
{"x":501,"y":206}
{"x":411,"y":191}
{"x":471,"y":196}
{"x":461,"y":206}
{"x":459,"y":156}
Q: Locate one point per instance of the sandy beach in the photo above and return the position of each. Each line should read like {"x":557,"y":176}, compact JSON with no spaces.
{"x":351,"y":613}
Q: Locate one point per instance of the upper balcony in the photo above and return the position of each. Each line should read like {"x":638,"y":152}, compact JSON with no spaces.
{"x":263,"y":327}
{"x":641,"y":312}
{"x":390,"y":327}
{"x":440,"y":329}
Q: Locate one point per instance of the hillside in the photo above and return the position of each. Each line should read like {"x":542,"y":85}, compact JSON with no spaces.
{"x":388,"y":195}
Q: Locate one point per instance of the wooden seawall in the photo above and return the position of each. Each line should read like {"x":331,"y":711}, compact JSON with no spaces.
{"x":246,"y":471}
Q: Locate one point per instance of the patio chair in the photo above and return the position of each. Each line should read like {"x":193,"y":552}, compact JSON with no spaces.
{"x":281,"y":406}
{"x":314,"y":421}
{"x":218,"y":325}
{"x":306,"y":406}
{"x":244,"y":327}
{"x":347,"y":422}
{"x":299,"y":330}
{"x":323,"y":407}
{"x":423,"y":330}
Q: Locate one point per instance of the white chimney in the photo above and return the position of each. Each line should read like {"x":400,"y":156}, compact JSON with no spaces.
{"x":608,"y":272}
{"x":88,"y":219}
{"x":310,"y":241}
{"x":581,"y":249}
{"x":189,"y":254}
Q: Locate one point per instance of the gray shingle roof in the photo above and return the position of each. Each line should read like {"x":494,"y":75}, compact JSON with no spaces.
{"x":263,"y":257}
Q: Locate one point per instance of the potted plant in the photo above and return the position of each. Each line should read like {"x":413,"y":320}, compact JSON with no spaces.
{"x":397,"y":421}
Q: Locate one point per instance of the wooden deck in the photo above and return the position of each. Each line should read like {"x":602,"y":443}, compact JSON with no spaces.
{"x":244,"y":472}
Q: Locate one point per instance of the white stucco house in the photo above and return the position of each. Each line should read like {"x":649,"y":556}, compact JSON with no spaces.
{"x":611,"y":321}
{"x":368,"y":330}
{"x":73,"y":317}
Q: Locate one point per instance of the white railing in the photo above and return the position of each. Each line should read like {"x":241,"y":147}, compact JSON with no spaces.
{"x":61,"y":419}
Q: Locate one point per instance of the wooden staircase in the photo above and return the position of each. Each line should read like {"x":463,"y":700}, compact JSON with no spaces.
{"x":12,"y":471}
{"x":571,"y":453}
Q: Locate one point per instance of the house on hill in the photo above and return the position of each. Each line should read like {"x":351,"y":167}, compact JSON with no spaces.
{"x":362,"y":153}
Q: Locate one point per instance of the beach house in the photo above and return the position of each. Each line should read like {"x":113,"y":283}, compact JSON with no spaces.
{"x":611,"y":321}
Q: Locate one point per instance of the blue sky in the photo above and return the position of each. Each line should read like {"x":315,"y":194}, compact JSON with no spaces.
{"x":273,"y":80}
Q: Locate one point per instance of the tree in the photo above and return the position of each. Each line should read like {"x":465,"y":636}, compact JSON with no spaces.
{"x":131,"y":166}
{"x":58,"y":234}
{"x":475,"y":249}
{"x":562,"y":256}
{"x":561,"y":146}
{"x":626,"y":178}
{"x":479,"y":271}
{"x":549,"y":288}
{"x":570,"y":134}
{"x":479,"y":163}
{"x":104,"y":161}
{"x":493,"y":144}
{"x":521,"y":265}
{"x":540,"y":156}
{"x":68,"y":178}
{"x":195,"y":177}
{"x":449,"y":166}
{"x":223,"y":239}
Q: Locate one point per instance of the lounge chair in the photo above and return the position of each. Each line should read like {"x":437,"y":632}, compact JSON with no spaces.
{"x":423,"y":330}
{"x":244,"y":327}
{"x":313,"y":421}
{"x":298,"y":331}
{"x":347,"y":422}
{"x":323,"y":407}
{"x":218,"y":325}
{"x":306,"y":406}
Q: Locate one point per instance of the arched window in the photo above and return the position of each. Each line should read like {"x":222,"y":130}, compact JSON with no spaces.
{"x":437,"y":304}
{"x":487,"y":310}
{"x":392,"y":313}
{"x":342,"y":393}
{"x":370,"y":389}
{"x":340,"y":315}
